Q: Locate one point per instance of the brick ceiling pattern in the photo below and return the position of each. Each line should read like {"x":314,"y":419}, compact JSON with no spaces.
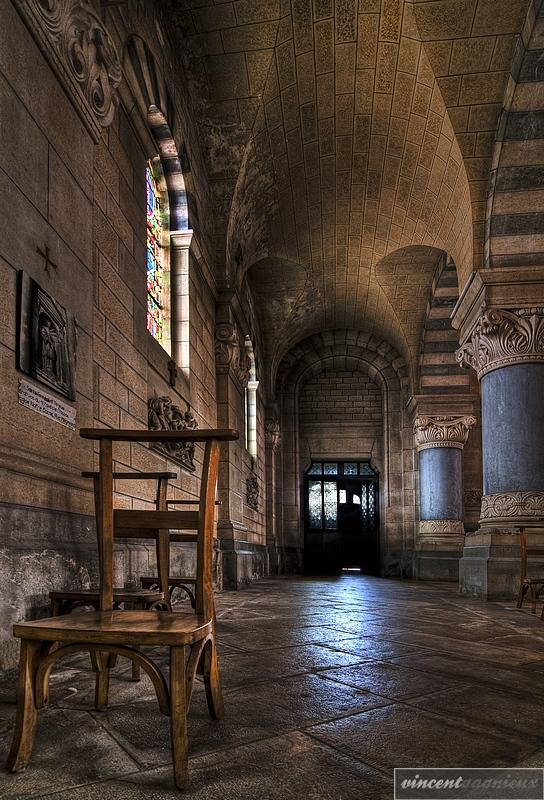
{"x":348,"y":143}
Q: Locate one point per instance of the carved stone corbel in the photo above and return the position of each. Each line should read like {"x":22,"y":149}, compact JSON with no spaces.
{"x":230,"y":352}
{"x":442,"y":431}
{"x":272,"y":434}
{"x":80,"y":50}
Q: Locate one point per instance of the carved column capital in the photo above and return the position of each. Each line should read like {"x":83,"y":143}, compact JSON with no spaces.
{"x":442,"y":431}
{"x":79,"y":48}
{"x":501,"y":338}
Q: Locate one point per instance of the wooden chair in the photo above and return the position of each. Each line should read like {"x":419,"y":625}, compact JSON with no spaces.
{"x":189,"y":637}
{"x":146,"y":598}
{"x":529,"y":583}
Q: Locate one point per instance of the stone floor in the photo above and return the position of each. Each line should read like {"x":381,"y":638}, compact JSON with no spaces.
{"x":329,"y":684}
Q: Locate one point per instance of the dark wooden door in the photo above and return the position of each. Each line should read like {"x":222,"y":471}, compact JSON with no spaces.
{"x":341,"y":521}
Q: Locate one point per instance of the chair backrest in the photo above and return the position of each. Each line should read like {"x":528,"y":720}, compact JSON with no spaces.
{"x":204,"y":519}
{"x":527,"y":551}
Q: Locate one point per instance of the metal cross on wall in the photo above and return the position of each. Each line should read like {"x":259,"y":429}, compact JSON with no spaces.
{"x":48,"y":262}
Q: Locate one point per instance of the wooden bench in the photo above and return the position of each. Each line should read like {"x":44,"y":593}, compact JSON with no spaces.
{"x":189,"y":637}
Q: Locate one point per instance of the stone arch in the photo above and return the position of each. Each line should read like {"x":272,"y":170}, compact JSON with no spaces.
{"x":356,"y":351}
{"x":152,"y":113}
{"x":153,"y":100}
{"x":439,"y":371}
{"x":514,"y":219}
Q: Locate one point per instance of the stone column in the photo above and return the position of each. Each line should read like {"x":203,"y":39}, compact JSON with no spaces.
{"x":502,"y":338}
{"x":440,"y":441}
{"x":272,"y":439}
{"x":180,"y":242}
{"x":232,"y":376}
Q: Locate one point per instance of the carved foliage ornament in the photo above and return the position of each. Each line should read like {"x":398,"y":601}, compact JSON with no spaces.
{"x":74,"y":39}
{"x":502,"y":338}
{"x":163,"y":415}
{"x":441,"y":526}
{"x":272,"y":435}
{"x":513,"y":505}
{"x":230,"y":352}
{"x":442,"y":431}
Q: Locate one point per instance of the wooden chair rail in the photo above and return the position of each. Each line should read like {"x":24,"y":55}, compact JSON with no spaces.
{"x":134,"y":476}
{"x":197,"y":435}
{"x":160,"y":520}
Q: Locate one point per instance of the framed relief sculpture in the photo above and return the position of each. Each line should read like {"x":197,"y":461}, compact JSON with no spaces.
{"x":46,"y":341}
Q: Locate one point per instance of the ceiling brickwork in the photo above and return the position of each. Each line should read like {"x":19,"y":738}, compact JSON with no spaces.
{"x":349,"y":142}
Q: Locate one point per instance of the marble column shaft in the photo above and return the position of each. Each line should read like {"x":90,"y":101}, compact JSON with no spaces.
{"x":440,"y":441}
{"x":506,"y":348}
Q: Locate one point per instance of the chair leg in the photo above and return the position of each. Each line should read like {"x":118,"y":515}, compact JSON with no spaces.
{"x":178,"y":716}
{"x":533,"y":599}
{"x":521,"y":594}
{"x":101,"y":668}
{"x":212,"y":681}
{"x":27,"y":714}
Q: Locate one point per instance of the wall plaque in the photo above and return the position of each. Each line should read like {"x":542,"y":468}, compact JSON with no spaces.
{"x":47,"y":404}
{"x":46,"y":338}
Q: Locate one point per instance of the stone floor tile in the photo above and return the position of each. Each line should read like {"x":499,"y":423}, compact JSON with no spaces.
{"x":390,"y":680}
{"x":499,"y":712}
{"x":71,"y":748}
{"x":293,"y":767}
{"x":402,"y":736}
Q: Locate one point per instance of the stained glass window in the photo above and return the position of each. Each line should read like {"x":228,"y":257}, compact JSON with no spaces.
{"x":365,"y":469}
{"x":158,"y":283}
{"x":350,"y":469}
{"x":331,"y":469}
{"x":315,"y":504}
{"x":315,"y":469}
{"x":331,"y":505}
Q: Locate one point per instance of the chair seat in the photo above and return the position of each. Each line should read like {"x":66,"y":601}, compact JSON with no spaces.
{"x":119,"y":627}
{"x":119,"y":595}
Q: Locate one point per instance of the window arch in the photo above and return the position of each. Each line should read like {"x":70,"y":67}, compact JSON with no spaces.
{"x":158,"y":255}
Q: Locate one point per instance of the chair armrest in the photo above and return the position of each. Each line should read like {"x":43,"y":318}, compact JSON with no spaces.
{"x":197,"y":435}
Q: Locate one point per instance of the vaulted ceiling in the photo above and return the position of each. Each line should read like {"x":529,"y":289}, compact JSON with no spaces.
{"x":348,"y":143}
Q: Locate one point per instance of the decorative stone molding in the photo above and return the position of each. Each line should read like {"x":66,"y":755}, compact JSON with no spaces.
{"x":472,"y":498}
{"x":230,"y":352}
{"x":442,"y":533}
{"x":163,"y":415}
{"x":80,"y":50}
{"x":252,"y":493}
{"x":502,"y":338}
{"x":513,"y":507}
{"x":442,"y":431}
{"x":431,"y":526}
{"x":272,"y":434}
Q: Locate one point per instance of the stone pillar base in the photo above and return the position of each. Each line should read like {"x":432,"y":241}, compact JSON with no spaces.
{"x":242,"y":562}
{"x":439,"y":564}
{"x":490,"y":566}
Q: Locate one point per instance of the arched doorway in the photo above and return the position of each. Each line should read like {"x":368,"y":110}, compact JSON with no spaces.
{"x":341,"y":526}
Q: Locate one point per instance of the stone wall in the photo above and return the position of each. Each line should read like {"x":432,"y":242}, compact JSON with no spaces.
{"x":340,"y":415}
